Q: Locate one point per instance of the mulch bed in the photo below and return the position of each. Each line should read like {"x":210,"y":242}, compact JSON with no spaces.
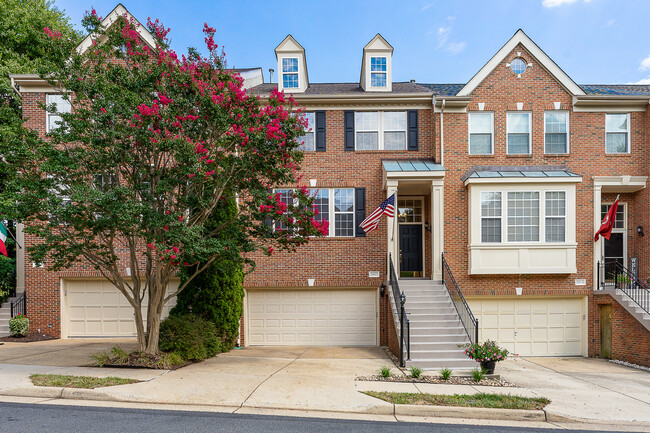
{"x":454,"y":380}
{"x":29,"y":338}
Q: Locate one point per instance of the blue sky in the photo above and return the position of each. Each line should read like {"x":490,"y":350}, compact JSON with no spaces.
{"x":435,"y":41}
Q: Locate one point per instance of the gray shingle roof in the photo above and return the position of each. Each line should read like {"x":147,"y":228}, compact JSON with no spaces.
{"x":401,"y":165}
{"x":510,"y":171}
{"x":617,"y":89}
{"x":342,"y":89}
{"x":444,"y":89}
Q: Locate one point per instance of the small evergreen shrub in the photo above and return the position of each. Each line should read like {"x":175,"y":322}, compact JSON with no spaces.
{"x":19,"y":326}
{"x":191,"y":337}
{"x":445,"y":373}
{"x":416,"y":372}
{"x":384,"y":371}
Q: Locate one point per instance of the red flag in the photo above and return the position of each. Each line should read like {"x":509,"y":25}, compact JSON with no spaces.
{"x":606,"y":227}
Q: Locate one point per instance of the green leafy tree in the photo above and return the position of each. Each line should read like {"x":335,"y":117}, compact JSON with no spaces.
{"x":153,"y":143}
{"x":217,"y":294}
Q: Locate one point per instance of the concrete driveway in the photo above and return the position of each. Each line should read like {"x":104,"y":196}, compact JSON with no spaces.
{"x":586,"y":388}
{"x":61,"y":353}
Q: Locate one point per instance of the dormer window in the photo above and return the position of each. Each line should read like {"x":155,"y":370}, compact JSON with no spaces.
{"x":378,"y":71}
{"x":290,"y":72}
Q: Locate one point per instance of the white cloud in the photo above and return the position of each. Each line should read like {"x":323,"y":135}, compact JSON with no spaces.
{"x":610,"y":23}
{"x":455,"y":47}
{"x":645,"y":64}
{"x":643,"y":81}
{"x":425,"y":7}
{"x":443,"y":35}
{"x":556,"y":3}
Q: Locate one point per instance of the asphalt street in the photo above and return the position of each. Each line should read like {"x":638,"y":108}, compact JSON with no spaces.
{"x":15,"y":417}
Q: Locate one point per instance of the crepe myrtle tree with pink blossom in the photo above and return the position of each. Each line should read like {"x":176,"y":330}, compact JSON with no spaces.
{"x":153,"y":143}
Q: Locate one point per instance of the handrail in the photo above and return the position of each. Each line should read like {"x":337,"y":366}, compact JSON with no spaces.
{"x":613,"y":275}
{"x":19,"y":306}
{"x":404,"y":324}
{"x":470,"y":323}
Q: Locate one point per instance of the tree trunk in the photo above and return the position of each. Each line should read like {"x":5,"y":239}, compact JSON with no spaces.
{"x":154,"y":313}
{"x":139,"y":325}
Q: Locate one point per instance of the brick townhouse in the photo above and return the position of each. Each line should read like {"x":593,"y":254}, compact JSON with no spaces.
{"x":508,"y":175}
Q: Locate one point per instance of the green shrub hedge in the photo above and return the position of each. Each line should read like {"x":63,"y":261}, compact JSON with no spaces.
{"x":19,"y":326}
{"x":189,"y":335}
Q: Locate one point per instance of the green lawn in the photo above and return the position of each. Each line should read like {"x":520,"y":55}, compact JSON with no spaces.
{"x":77,"y":381}
{"x":496,"y":401}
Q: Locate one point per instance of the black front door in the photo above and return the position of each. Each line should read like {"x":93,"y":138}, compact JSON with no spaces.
{"x":410,"y":245}
{"x":614,"y":252}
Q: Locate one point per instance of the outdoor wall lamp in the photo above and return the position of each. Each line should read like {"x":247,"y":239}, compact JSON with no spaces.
{"x":639,"y":230}
{"x":427,"y":227}
{"x":382,"y":290}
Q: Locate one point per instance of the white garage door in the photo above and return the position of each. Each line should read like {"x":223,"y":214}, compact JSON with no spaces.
{"x":312,"y":317}
{"x":95,"y":308}
{"x":532,"y":326}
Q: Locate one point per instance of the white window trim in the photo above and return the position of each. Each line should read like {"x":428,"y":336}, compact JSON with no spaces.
{"x":385,"y":73}
{"x":380,"y":131}
{"x":469,"y":132}
{"x":543,"y":212}
{"x":629,"y":136}
{"x":48,"y":114}
{"x":331,"y":213}
{"x":620,"y":203}
{"x":480,"y":213}
{"x":568,"y":132}
{"x":297,"y":73}
{"x":504,"y":211}
{"x":530,"y":131}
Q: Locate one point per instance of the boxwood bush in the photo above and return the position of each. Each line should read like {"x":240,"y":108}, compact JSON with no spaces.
{"x":190,"y":336}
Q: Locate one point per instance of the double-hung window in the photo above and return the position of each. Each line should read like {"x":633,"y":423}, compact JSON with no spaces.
{"x":383,"y":130}
{"x":555,"y":214}
{"x":343,"y":212}
{"x":617,"y":133}
{"x":290,"y":72}
{"x":491,"y":216}
{"x":523,"y":216}
{"x":556,"y":132}
{"x":378,"y":72}
{"x":309,"y":142}
{"x":481,"y":133}
{"x":54,"y":120}
{"x":286,"y":196}
{"x":518,"y":126}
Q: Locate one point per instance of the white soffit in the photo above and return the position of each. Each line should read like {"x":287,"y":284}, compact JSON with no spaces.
{"x":521,"y":38}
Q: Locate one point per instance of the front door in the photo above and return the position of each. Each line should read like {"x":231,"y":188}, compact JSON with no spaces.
{"x":410,"y":245}
{"x":615,"y":249}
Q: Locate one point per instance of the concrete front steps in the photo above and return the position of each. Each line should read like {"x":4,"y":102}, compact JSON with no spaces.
{"x":5,"y":315}
{"x":436,"y":330}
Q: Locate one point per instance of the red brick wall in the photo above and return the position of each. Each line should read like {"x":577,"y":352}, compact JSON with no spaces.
{"x":630,"y":340}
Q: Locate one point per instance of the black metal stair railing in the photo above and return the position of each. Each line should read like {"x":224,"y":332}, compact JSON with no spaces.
{"x":19,"y":306}
{"x":470,"y":323}
{"x":404,"y":330}
{"x":613,"y":275}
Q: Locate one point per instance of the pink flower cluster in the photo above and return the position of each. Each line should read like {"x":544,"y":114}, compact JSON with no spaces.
{"x":53,"y":34}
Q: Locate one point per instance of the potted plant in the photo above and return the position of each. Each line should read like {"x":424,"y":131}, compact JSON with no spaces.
{"x":487,"y":354}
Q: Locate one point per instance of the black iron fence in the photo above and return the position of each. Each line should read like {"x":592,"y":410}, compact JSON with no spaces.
{"x":470,"y":323}
{"x":19,"y":305}
{"x":404,"y":330}
{"x":613,"y":275}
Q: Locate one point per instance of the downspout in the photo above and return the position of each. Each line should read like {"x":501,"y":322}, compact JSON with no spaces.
{"x":442,"y":133}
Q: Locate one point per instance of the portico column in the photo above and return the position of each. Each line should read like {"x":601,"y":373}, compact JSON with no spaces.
{"x":437,"y":226}
{"x":20,"y":258}
{"x":597,"y":245}
{"x":393,"y":234}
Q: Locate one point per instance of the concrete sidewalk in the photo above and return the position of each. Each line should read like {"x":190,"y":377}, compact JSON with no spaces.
{"x":323,"y":380}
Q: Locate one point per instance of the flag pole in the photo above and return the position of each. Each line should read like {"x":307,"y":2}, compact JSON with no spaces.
{"x":14,"y":238}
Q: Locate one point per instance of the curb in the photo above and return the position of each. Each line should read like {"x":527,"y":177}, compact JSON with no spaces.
{"x":377,"y":409}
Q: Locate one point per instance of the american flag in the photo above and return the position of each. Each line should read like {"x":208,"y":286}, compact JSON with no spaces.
{"x":386,"y":208}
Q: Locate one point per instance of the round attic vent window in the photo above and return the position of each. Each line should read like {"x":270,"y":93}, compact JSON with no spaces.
{"x":518,"y":66}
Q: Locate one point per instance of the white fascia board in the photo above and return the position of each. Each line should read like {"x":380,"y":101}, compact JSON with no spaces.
{"x":113,"y":16}
{"x":521,"y":180}
{"x":521,"y":38}
{"x":611,"y":104}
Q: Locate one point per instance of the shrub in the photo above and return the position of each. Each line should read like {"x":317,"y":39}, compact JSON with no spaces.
{"x":384,"y":371}
{"x":191,"y":337}
{"x":445,"y":373}
{"x":416,"y":372}
{"x":19,"y":326}
{"x":217,"y":293}
{"x":488,"y":351}
{"x":478,"y":374}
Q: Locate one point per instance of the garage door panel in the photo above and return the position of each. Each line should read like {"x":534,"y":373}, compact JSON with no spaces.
{"x":541,"y":326}
{"x":96,"y":308}
{"x":321,"y":317}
